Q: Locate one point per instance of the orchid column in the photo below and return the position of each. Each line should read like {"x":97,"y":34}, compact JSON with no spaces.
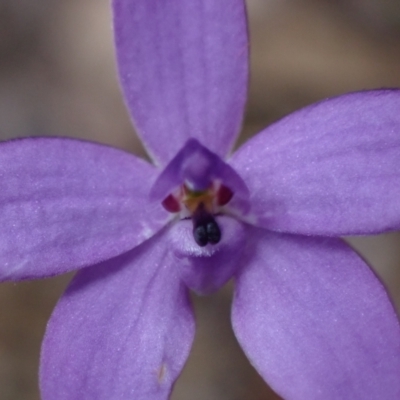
{"x":309,"y":313}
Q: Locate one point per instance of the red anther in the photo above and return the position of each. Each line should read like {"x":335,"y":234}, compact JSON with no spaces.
{"x":224,"y":195}
{"x":171,"y":204}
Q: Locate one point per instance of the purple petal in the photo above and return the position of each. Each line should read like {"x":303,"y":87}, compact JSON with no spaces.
{"x":315,"y":321}
{"x":66,"y":204}
{"x":207,"y":269}
{"x":123,"y":330}
{"x":198,"y":167}
{"x":183,"y":67}
{"x":332,"y":168}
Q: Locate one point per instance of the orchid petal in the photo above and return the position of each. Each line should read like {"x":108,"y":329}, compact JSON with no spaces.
{"x":183,"y":67}
{"x":315,"y":321}
{"x":329,"y":169}
{"x":122,"y":330}
{"x":67,"y":204}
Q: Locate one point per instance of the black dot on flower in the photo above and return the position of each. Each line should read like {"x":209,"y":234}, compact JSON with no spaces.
{"x":213,"y":232}
{"x":205,"y":228}
{"x":200,"y":235}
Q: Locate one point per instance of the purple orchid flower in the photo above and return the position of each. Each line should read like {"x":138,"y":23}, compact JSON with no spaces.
{"x":309,"y":313}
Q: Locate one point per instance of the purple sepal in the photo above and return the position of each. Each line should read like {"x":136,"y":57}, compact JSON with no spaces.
{"x":122,"y":330}
{"x":183,"y":67}
{"x":67,"y":204}
{"x":315,"y":321}
{"x":329,"y":169}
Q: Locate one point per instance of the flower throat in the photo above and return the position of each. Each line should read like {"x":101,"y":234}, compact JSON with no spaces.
{"x":198,"y":184}
{"x":200,"y":206}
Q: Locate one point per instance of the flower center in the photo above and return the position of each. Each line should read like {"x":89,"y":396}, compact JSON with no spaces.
{"x":200,"y":206}
{"x":197,"y":184}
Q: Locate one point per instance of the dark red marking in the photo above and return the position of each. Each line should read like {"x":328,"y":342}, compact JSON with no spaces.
{"x":171,"y":204}
{"x":224,"y":195}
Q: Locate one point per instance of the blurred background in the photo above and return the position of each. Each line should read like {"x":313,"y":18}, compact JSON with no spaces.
{"x":57,"y":77}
